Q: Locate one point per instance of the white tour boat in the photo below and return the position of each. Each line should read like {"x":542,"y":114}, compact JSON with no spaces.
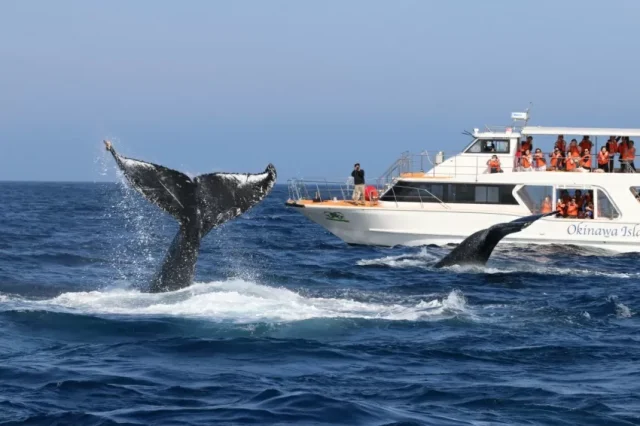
{"x":426,"y":199}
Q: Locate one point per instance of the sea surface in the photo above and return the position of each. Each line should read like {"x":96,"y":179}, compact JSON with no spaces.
{"x":286,"y":324}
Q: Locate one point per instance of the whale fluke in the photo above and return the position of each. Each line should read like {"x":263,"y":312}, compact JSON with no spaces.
{"x":476,"y":248}
{"x":199,"y":205}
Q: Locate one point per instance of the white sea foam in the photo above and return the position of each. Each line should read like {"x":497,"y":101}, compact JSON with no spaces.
{"x":423,"y":259}
{"x":239,"y":301}
{"x":420,"y":259}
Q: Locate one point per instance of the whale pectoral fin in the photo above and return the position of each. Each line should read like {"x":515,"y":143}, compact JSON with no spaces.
{"x":169,"y":189}
{"x":224,"y":196}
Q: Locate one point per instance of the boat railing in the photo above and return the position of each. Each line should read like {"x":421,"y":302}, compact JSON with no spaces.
{"x":322,"y":190}
{"x":442,"y":164}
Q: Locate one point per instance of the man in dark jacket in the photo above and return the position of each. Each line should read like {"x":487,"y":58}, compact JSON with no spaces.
{"x":358,"y":182}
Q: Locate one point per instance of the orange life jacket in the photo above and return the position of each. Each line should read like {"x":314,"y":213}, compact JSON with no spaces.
{"x":585,"y":161}
{"x":622,"y":148}
{"x":603,"y":157}
{"x":525,"y":146}
{"x":561,"y":145}
{"x":571,"y":164}
{"x":585,"y":145}
{"x":555,"y":159}
{"x":574,"y":150}
{"x":612,"y":147}
{"x":526,"y":162}
{"x":546,"y":207}
{"x":629,"y":154}
{"x":494,"y":164}
{"x":539,"y":161}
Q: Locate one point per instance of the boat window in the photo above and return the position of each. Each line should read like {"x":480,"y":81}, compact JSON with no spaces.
{"x":492,"y":146}
{"x":635,"y":190}
{"x":534,"y":195}
{"x":584,"y":203}
{"x":606,"y":209}
{"x":428,"y":192}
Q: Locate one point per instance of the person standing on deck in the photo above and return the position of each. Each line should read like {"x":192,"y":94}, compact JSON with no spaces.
{"x":358,"y":183}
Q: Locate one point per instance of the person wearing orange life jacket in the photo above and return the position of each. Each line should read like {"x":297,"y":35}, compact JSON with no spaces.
{"x":556,"y":159}
{"x":585,"y":143}
{"x":545,"y":207}
{"x":612,"y":149}
{"x":539,"y":162}
{"x":527,"y":145}
{"x":494,"y":164}
{"x":622,"y":148}
{"x":561,"y":144}
{"x":603,"y":159}
{"x":572,"y":162}
{"x":572,"y":209}
{"x":573,"y":148}
{"x":628,"y":157}
{"x":526,"y":161}
{"x":585,"y":160}
{"x":561,"y":208}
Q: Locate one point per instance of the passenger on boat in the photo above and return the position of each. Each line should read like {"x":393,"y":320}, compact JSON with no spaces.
{"x":539,"y":162}
{"x":603,"y":159}
{"x":577,"y":195}
{"x":627,"y":159}
{"x":622,"y":149}
{"x":572,"y":208}
{"x":526,"y":161}
{"x":561,"y":144}
{"x":358,"y":183}
{"x":588,"y":210}
{"x":585,"y":161}
{"x":612,"y":149}
{"x":561,"y":208}
{"x":545,"y":207}
{"x":585,"y":143}
{"x":573,"y":149}
{"x":556,"y":159}
{"x":526,"y":144}
{"x":573,"y":160}
{"x":494,"y":164}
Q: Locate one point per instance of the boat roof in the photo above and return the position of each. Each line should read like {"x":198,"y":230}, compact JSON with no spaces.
{"x":590,"y":131}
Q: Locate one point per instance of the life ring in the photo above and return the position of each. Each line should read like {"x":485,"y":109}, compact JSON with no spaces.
{"x":370,"y":193}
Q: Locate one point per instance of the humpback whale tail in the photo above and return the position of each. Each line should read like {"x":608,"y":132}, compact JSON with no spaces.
{"x":476,"y":248}
{"x":199,"y":205}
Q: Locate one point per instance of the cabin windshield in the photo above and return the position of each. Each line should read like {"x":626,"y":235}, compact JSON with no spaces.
{"x":486,"y":146}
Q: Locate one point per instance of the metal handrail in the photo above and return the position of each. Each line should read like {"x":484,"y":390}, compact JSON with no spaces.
{"x":298,"y":191}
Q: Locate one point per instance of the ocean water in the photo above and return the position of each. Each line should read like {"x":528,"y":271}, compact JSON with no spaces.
{"x":288,"y":325}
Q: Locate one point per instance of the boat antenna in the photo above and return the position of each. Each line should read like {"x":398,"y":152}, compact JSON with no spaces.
{"x":468,"y":133}
{"x":527,"y":110}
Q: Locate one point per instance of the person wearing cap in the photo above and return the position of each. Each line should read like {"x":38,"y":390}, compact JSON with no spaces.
{"x":358,"y":183}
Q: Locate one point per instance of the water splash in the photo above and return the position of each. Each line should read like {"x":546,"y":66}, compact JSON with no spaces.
{"x":242,"y":302}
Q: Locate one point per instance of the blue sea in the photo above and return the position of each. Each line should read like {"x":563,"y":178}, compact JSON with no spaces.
{"x":287,"y":325}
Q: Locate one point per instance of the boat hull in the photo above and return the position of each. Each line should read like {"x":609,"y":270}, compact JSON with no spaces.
{"x":419,"y":227}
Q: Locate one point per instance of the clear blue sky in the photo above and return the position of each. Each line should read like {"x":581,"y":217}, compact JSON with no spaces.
{"x":312,"y":86}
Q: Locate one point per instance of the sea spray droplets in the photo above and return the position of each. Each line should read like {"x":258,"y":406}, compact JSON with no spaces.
{"x":241,"y":302}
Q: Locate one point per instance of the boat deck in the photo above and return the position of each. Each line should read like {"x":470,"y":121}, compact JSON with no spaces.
{"x":332,"y":203}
